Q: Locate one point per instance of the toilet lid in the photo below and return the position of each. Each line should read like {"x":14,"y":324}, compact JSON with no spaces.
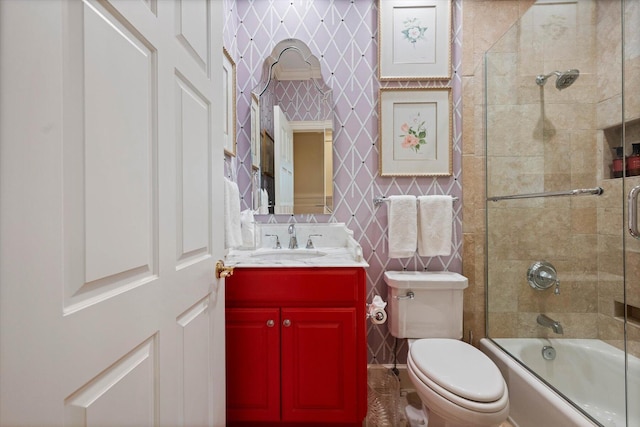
{"x":458,"y":368}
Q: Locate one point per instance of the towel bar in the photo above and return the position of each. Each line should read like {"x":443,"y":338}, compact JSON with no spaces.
{"x":577,"y":192}
{"x":377,"y":201}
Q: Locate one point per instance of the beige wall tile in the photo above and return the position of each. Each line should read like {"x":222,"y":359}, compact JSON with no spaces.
{"x":468,"y":22}
{"x":506,"y":284}
{"x":611,"y":330}
{"x":584,"y":220}
{"x":503,"y":325}
{"x":632,"y":83}
{"x":491,"y":20}
{"x":609,"y":111}
{"x":515,"y":175}
{"x":533,"y":150}
{"x":468,"y":114}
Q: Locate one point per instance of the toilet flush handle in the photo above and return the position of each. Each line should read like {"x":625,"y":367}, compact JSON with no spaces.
{"x":409,"y":295}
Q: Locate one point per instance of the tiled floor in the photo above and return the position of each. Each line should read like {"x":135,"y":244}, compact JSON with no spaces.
{"x":412,"y":397}
{"x":408,"y":397}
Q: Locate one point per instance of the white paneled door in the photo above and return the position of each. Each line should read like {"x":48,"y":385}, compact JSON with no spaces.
{"x":110,"y":182}
{"x":283,"y":159}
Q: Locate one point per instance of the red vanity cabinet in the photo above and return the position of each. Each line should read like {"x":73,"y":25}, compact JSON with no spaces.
{"x":296,"y":346}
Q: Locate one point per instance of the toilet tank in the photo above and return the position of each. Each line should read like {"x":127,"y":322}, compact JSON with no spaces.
{"x":435,"y":311}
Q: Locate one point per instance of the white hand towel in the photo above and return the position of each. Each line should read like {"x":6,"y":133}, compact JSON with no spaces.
{"x":232,"y":228}
{"x":247,"y":226}
{"x":403,"y":231}
{"x":264,"y":202}
{"x":435,"y":222}
{"x":255,"y":195}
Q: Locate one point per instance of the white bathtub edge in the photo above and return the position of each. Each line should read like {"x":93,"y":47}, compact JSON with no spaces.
{"x":532,"y":403}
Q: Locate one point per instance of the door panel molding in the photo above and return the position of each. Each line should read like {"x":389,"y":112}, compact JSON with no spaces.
{"x":110,"y":156}
{"x":194,"y":325}
{"x":194,"y":171}
{"x":193,"y":28}
{"x":126,"y":387}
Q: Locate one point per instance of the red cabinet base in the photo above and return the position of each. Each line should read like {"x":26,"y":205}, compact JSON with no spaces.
{"x":296,"y":347}
{"x":285,"y":424}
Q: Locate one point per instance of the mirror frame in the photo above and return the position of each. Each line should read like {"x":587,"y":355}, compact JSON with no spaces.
{"x":273,"y":71}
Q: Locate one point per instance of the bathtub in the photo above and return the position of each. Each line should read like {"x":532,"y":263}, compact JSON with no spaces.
{"x":590,"y":373}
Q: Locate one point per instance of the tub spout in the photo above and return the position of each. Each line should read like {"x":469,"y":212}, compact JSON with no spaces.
{"x":547,"y":322}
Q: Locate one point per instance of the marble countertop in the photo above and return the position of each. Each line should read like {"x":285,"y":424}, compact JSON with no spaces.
{"x":318,"y":257}
{"x":334,"y":247}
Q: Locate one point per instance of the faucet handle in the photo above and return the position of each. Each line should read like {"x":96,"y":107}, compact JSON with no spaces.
{"x":310,"y":242}
{"x":277,"y":246}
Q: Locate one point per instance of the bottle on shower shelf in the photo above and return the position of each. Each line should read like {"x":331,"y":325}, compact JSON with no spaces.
{"x":633,"y":161}
{"x":617,"y":166}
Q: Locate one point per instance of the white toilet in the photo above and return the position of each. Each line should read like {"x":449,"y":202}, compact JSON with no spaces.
{"x":457,"y":383}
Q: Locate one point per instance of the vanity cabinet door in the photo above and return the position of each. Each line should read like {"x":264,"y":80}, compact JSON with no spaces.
{"x":253,"y":364}
{"x":319,"y":365}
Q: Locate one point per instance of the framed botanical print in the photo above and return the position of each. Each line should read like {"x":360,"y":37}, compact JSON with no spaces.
{"x":415,"y":129}
{"x":414,"y":39}
{"x":229,"y":103}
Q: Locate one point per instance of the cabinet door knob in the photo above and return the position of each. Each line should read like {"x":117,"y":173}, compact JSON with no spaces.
{"x":270,"y":323}
{"x":286,"y":323}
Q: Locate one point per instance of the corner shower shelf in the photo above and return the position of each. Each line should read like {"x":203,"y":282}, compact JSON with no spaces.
{"x":577,"y":192}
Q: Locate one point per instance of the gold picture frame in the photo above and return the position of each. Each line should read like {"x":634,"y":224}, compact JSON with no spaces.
{"x":229,"y":103}
{"x":414,"y":39}
{"x":255,"y":132}
{"x":415,"y":131}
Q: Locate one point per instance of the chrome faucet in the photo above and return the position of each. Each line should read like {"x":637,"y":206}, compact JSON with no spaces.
{"x":277,"y":245}
{"x":547,"y":322}
{"x":310,"y":242}
{"x":293,"y":240}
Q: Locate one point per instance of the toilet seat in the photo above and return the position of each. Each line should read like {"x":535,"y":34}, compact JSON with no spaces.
{"x":460,"y":373}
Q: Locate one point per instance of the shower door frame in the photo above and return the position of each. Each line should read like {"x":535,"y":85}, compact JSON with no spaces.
{"x":621,"y":310}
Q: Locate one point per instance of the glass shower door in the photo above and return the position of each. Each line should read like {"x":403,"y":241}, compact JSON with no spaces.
{"x":629,"y":308}
{"x":563,"y":274}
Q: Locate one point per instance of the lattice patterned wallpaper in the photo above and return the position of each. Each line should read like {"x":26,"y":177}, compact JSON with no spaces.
{"x":343,"y":35}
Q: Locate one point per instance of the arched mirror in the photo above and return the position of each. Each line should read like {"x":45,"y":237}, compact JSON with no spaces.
{"x":292,"y":135}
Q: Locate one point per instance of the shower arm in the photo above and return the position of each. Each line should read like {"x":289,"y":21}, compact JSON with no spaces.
{"x":541,"y":79}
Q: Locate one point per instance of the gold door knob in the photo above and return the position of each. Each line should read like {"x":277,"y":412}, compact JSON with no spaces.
{"x":222,"y":271}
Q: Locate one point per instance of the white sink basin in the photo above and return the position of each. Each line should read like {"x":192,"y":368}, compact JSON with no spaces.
{"x":334,"y":247}
{"x":287,"y":254}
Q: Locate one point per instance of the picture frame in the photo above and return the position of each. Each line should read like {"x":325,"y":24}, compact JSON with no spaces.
{"x":414,"y":39}
{"x":229,"y":103}
{"x":266,"y":154}
{"x":415,"y":131}
{"x":255,"y":132}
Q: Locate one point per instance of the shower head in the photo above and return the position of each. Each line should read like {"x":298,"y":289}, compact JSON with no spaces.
{"x":563,"y":80}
